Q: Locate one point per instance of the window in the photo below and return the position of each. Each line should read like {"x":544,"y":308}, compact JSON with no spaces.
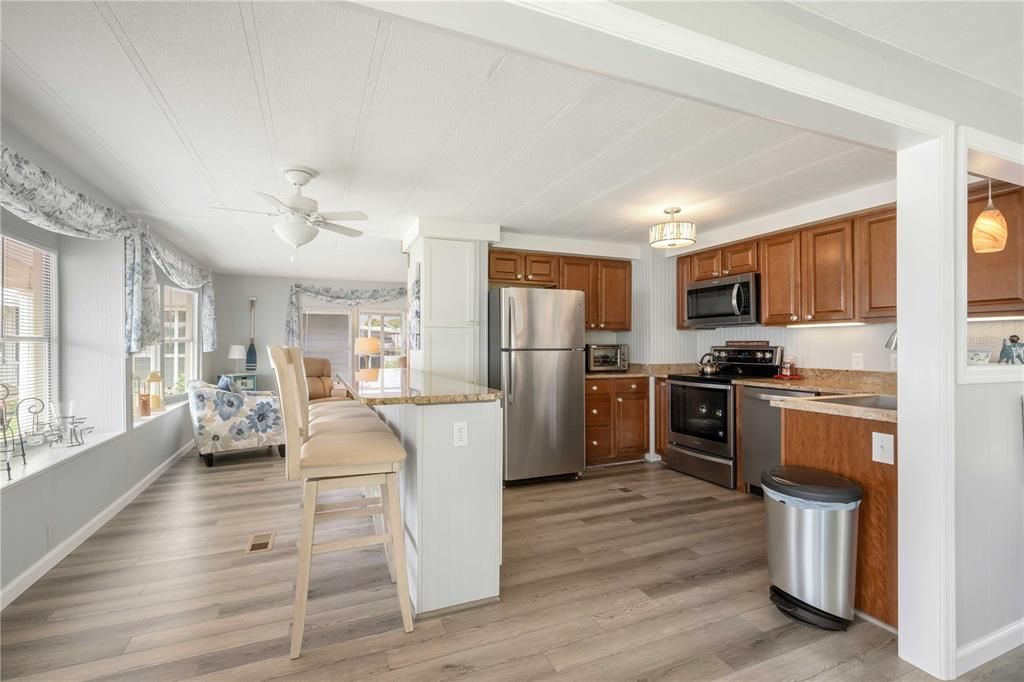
{"x":325,"y":334}
{"x":28,"y":313}
{"x":387,"y":326}
{"x":175,"y":357}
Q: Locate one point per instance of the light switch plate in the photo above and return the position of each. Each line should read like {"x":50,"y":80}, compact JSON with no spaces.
{"x":857,"y":361}
{"x":882,"y":447}
{"x":460,"y":434}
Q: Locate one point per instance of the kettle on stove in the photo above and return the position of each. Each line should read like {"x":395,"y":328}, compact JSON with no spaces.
{"x":709,"y":368}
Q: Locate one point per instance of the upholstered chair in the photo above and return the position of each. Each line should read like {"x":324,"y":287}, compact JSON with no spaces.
{"x":332,"y":451}
{"x":319,"y":380}
{"x":223,"y":421}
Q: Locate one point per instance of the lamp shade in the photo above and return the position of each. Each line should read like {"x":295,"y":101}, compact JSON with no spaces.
{"x":236,"y":352}
{"x":367,"y":345}
{"x":989,"y":233}
{"x":673,"y":233}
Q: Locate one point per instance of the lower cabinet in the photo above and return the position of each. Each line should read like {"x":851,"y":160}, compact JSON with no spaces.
{"x":660,"y":416}
{"x":617,"y":420}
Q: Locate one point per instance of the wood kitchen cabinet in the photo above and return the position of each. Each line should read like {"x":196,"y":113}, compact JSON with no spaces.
{"x":826,"y":254}
{"x":504,"y":266}
{"x":581,"y":274}
{"x":682,"y":279}
{"x":706,"y":265}
{"x":734,"y":259}
{"x":540,"y":268}
{"x":995,"y":281}
{"x":780,"y":278}
{"x":875,"y":264}
{"x":660,"y":416}
{"x":614,"y":295}
{"x":617,"y":420}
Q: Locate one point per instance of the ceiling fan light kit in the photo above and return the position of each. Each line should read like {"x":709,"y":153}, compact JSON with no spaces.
{"x":672,"y":234}
{"x":295,"y":231}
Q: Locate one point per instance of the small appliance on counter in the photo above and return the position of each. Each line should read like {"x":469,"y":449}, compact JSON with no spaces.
{"x":702,"y":410}
{"x":613,"y":357}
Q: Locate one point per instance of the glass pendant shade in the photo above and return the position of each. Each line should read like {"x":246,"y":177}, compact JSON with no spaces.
{"x":989,"y":232}
{"x":672,"y":234}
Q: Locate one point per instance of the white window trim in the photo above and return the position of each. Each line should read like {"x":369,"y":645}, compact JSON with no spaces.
{"x":158,"y":351}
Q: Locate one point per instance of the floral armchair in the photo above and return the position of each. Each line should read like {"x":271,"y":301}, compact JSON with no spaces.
{"x":234,"y":420}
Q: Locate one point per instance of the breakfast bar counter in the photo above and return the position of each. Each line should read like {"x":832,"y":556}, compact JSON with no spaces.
{"x":451,"y":481}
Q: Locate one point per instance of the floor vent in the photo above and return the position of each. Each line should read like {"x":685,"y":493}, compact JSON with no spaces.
{"x":261,"y":542}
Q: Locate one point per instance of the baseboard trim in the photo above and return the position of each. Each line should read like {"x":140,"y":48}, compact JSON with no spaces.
{"x":652,"y":457}
{"x":992,"y":645}
{"x":875,"y":621}
{"x":30,"y":575}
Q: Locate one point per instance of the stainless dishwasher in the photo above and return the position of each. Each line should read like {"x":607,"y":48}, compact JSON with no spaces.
{"x":762,"y":430}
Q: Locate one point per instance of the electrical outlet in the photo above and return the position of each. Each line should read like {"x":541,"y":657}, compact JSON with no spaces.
{"x":882,"y":448}
{"x":460,"y":434}
{"x":857,"y":361}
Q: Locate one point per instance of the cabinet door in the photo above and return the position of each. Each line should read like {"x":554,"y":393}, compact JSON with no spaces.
{"x":995,"y":281}
{"x":706,"y":265}
{"x":504,"y":266}
{"x":614,"y":295}
{"x":682,"y":277}
{"x":581,"y":274}
{"x":827,"y":282}
{"x":875,"y":270}
{"x":631,"y":425}
{"x":780,"y":278}
{"x":540,"y":268}
{"x":660,"y":416}
{"x":739,"y":258}
{"x":599,"y":449}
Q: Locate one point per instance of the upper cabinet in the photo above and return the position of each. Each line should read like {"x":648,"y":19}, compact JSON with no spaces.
{"x":581,"y":274}
{"x":522,"y":267}
{"x":505,"y":266}
{"x":706,"y":265}
{"x":827,"y":281}
{"x":780,"y":278}
{"x":995,"y":281}
{"x":682,"y":279}
{"x":875,"y":264}
{"x":734,"y":259}
{"x":540,"y":268}
{"x":614,"y":295}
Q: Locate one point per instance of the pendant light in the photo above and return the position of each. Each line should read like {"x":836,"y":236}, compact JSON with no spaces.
{"x":673,"y":233}
{"x":989,"y":233}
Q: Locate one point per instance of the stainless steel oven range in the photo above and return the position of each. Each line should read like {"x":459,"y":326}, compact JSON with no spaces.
{"x":702,"y":412}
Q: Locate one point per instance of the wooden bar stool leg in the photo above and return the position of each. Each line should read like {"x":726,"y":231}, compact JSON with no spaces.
{"x":393,"y":518}
{"x":309,"y":496}
{"x":379,"y":528}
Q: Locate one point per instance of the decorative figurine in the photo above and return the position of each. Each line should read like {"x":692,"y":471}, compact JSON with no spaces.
{"x":1012,"y":352}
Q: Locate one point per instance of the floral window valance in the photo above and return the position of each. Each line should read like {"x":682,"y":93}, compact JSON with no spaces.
{"x":350,"y":297}
{"x":35,"y":196}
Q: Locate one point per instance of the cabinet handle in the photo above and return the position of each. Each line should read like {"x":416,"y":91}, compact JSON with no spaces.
{"x":593,"y":388}
{"x":592,"y":325}
{"x":808,"y":317}
{"x":725,"y":272}
{"x":619,"y":399}
{"x":793,"y":318}
{"x":632,"y":385}
{"x":593,"y":442}
{"x":594,"y":411}
{"x":529,"y":277}
{"x":519,"y":276}
{"x":602,"y":325}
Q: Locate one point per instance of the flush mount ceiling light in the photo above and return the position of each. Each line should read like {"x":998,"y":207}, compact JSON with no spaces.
{"x":989,"y":233}
{"x":673,"y":233}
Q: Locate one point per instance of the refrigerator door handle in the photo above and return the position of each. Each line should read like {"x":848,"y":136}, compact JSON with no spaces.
{"x":510,"y":372}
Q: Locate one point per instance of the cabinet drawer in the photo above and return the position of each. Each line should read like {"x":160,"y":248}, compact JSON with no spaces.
{"x":599,"y":410}
{"x":599,"y":444}
{"x":599,"y":386}
{"x":637,"y":385}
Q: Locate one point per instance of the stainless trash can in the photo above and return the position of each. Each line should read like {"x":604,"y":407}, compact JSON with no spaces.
{"x":812,"y":544}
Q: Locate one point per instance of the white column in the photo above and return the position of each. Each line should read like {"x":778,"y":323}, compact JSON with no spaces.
{"x":926,"y":183}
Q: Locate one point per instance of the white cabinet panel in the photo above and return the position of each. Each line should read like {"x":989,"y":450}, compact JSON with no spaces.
{"x":451,"y":286}
{"x":451,"y":352}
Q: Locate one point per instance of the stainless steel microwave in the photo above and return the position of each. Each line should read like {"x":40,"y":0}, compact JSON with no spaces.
{"x":723,"y":302}
{"x":607,"y":357}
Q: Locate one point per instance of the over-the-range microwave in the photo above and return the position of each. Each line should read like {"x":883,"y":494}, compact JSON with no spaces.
{"x":724,"y":302}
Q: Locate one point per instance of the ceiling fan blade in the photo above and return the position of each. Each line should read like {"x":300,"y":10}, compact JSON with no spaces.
{"x":243,"y":210}
{"x":344,"y":215}
{"x":275,"y":201}
{"x":339,"y":229}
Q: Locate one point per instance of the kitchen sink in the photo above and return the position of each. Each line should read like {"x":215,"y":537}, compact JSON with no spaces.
{"x":878,"y":402}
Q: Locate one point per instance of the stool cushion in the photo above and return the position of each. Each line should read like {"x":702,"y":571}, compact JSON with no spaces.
{"x":343,"y":426}
{"x":329,"y":449}
{"x":343,"y":414}
{"x":334,"y":406}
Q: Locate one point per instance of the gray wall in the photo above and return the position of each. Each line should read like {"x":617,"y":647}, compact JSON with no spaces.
{"x":233,"y":292}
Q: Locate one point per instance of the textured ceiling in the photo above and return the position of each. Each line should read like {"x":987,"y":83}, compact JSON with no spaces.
{"x":171,"y":108}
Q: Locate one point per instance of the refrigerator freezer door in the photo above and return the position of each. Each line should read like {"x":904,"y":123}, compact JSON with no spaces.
{"x":544,"y":407}
{"x":541,"y":318}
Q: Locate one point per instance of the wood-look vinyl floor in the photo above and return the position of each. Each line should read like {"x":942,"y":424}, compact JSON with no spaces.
{"x":634,"y":572}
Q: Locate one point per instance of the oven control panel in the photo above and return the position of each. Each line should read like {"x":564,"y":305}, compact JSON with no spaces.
{"x":747,"y":355}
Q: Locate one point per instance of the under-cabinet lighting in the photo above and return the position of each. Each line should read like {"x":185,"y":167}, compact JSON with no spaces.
{"x":825,"y":324}
{"x":1005,"y":318}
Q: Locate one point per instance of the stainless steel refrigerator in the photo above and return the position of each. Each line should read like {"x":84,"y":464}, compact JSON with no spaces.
{"x":536,"y":357}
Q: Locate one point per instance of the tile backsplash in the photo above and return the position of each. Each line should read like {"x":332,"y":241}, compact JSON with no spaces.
{"x":991,"y":335}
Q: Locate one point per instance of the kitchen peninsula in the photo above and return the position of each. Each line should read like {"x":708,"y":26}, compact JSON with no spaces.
{"x":451,"y":481}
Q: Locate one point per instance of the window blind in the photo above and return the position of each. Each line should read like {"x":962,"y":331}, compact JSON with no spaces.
{"x":325,"y":335}
{"x":27,"y":314}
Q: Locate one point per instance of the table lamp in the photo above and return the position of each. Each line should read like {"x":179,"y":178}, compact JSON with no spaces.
{"x":366,"y":345}
{"x":236,"y":353}
{"x":156,"y":391}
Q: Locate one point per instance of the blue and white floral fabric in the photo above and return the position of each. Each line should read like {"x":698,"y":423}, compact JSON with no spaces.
{"x":35,"y":196}
{"x":224,"y":420}
{"x":349,"y":297}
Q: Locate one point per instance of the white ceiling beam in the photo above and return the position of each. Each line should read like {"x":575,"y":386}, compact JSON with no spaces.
{"x":618,"y":42}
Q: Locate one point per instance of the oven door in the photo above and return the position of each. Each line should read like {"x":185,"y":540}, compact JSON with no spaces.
{"x":722,"y":302}
{"x":701,"y":417}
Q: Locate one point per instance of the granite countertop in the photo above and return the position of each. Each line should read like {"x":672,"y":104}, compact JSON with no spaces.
{"x":402,"y":386}
{"x":820,"y":405}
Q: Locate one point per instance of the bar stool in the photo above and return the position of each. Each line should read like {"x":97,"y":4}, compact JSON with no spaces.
{"x":334,"y":458}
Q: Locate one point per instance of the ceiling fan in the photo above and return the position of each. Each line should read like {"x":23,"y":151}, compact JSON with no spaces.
{"x":302,"y":219}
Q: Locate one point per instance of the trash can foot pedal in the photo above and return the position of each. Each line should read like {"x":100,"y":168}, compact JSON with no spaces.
{"x":803,"y":612}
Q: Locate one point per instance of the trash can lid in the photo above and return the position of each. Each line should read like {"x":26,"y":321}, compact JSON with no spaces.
{"x":811,"y":484}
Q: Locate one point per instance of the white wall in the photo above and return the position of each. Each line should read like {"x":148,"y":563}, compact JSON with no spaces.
{"x":655,"y":339}
{"x":233,"y":292}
